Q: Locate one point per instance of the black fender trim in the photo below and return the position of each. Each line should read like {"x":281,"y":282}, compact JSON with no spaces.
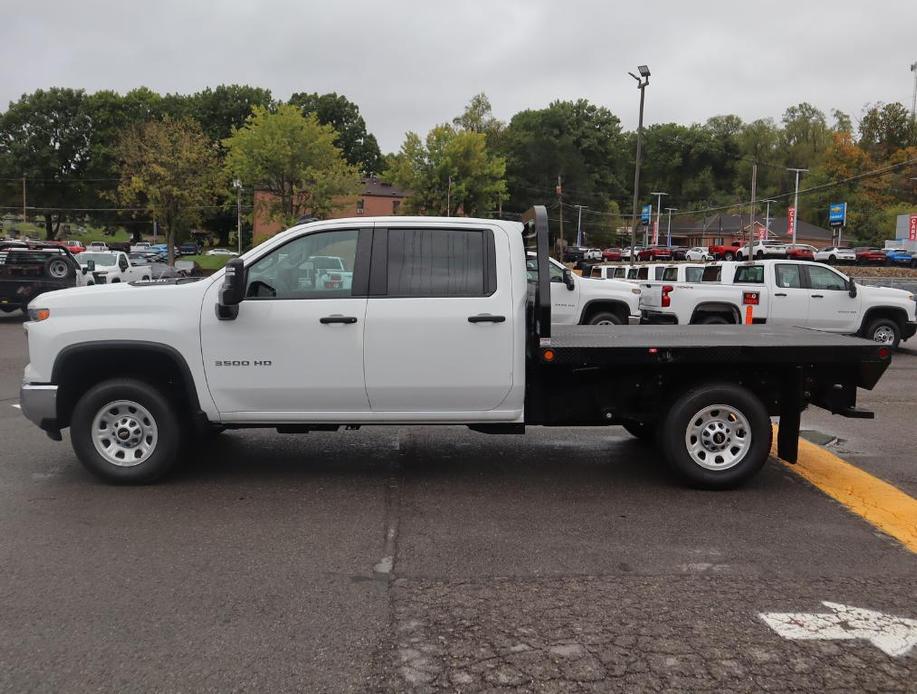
{"x":610,"y":303}
{"x":57,"y":371}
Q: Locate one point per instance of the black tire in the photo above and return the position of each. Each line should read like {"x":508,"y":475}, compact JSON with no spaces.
{"x":641,"y":430}
{"x":59,"y":269}
{"x":144,"y":279}
{"x":169,"y":430}
{"x":832,"y":260}
{"x":712,"y":320}
{"x":605,"y":318}
{"x":759,"y":255}
{"x":675,"y":432}
{"x":9,"y":309}
{"x":728,"y":256}
{"x":880,"y":328}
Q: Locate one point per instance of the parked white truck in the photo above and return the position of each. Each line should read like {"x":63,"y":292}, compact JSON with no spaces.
{"x":787,"y":292}
{"x":111,"y":267}
{"x":579,"y":300}
{"x":443,"y":323}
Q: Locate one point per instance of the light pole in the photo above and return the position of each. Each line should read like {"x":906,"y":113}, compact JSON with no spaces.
{"x":796,"y":201}
{"x":914,"y":98}
{"x":642,"y":81}
{"x":670,"y":210}
{"x":658,"y":216}
{"x":579,"y":224}
{"x":767,"y":217}
{"x":237,"y":184}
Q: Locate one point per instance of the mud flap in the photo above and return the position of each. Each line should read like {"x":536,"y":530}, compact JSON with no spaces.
{"x":790,"y":414}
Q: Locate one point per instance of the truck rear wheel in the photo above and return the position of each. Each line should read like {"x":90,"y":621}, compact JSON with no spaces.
{"x":126,"y":431}
{"x":717,"y":436}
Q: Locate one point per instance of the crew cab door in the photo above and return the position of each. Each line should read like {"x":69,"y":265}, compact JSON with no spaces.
{"x":830,"y":305}
{"x":440,"y":327}
{"x":295,"y":350}
{"x":789,"y":297}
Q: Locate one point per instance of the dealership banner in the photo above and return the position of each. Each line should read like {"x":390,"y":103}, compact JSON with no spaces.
{"x":912,"y":228}
{"x":790,"y":220}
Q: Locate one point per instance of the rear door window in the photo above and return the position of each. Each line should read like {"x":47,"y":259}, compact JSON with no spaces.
{"x":787,"y":276}
{"x":749,"y":274}
{"x":442,"y":263}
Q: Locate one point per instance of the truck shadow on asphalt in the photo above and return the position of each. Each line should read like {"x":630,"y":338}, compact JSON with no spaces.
{"x":577,"y":457}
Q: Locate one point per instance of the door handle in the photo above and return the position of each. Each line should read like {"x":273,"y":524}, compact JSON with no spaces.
{"x":347,"y":320}
{"x":818,"y":296}
{"x":780,"y":294}
{"x":486,"y":318}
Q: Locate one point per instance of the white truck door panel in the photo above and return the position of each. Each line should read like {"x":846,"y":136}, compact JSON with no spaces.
{"x":830,"y":305}
{"x":290,"y":351}
{"x":565,"y":303}
{"x":789,"y":298}
{"x":422,"y":353}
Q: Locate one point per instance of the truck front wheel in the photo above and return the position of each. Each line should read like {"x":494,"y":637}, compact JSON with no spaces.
{"x":126,"y":431}
{"x":717,"y":436}
{"x":605,"y":318}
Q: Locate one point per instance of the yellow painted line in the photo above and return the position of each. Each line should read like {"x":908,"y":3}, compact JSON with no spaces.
{"x":889,"y":509}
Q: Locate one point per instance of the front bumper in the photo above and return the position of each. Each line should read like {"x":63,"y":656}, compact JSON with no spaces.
{"x":658,"y":318}
{"x":39,"y":405}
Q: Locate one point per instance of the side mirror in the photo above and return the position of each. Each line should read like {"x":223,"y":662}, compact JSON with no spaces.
{"x":852,"y":288}
{"x":90,"y":266}
{"x":233,"y":290}
{"x":568,"y":279}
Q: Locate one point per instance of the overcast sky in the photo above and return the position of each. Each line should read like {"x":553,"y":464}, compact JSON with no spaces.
{"x":410,"y":64}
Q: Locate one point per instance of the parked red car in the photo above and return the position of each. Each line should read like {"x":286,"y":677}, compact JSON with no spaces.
{"x":611,"y":254}
{"x":723,"y":251}
{"x":655,"y":253}
{"x":74,"y":246}
{"x":871,"y":256}
{"x":799,"y":252}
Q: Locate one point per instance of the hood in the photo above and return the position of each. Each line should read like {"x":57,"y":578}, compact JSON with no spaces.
{"x":140,"y":295}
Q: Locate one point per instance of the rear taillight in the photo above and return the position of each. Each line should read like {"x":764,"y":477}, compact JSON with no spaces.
{"x":666,"y":299}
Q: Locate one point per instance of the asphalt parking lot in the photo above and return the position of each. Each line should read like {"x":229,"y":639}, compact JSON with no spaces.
{"x":419,"y":559}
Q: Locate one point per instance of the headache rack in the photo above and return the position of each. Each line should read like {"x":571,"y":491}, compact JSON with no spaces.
{"x":536,"y":240}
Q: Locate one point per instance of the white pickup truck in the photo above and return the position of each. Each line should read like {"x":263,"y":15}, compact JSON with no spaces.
{"x":787,"y":292}
{"x":444,"y":323}
{"x":110,"y":267}
{"x":579,"y":300}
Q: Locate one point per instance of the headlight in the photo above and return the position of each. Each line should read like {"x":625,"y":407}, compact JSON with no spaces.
{"x":39,"y":314}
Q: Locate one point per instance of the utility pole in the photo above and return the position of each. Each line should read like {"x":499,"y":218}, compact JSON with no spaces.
{"x":796,"y":201}
{"x":237,"y":184}
{"x":658,"y":216}
{"x":670,"y":210}
{"x":579,"y":224}
{"x":642,"y":81}
{"x":560,"y":203}
{"x":751,"y":226}
{"x":23,"y":201}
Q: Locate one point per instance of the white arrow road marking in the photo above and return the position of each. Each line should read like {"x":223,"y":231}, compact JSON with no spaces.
{"x":893,"y":635}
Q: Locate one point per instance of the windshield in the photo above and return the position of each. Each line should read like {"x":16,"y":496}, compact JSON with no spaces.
{"x":106,"y":259}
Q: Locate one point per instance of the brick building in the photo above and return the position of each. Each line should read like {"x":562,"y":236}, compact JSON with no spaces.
{"x":376,"y":198}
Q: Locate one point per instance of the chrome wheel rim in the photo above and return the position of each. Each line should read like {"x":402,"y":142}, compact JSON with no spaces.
{"x":124,"y":433}
{"x":604,"y":321}
{"x":718,"y":437}
{"x":884,"y":335}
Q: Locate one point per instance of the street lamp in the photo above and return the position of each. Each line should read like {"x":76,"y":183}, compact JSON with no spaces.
{"x":767,"y":217}
{"x":658,"y":215}
{"x":670,"y":210}
{"x":237,"y":184}
{"x":642,"y":81}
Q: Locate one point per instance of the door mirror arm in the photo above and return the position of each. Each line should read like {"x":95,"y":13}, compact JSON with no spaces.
{"x":852,"y":288}
{"x":232,"y":293}
{"x":568,"y":279}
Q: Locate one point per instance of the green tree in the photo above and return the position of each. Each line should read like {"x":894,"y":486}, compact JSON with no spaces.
{"x":577,"y":140}
{"x":359,"y":147}
{"x":46,"y":136}
{"x":225,"y":107}
{"x":170,"y":169}
{"x":885,"y":128}
{"x":426,"y":167}
{"x":806,"y":135}
{"x":294,"y":158}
